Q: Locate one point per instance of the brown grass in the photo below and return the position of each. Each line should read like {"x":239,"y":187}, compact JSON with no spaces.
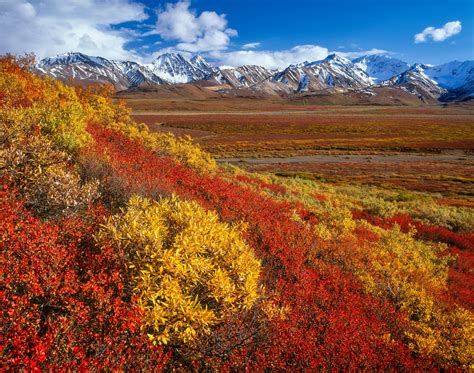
{"x":278,"y":128}
{"x":285,"y":133}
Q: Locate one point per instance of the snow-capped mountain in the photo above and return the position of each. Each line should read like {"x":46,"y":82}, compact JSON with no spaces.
{"x":245,"y":76}
{"x":175,"y":68}
{"x":332,"y":72}
{"x":416,"y":81}
{"x":380,"y":67}
{"x":453,"y":74}
{"x":87,"y":69}
{"x":450,"y":81}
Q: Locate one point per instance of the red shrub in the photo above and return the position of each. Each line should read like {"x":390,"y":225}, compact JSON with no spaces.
{"x":64,"y":303}
{"x":280,"y":189}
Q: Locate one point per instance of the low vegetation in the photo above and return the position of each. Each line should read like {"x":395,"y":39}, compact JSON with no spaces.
{"x":124,"y":249}
{"x":321,"y":129}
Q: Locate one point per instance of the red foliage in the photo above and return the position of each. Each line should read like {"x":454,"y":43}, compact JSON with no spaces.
{"x":331,"y":324}
{"x":319,"y":196}
{"x":460,"y":278}
{"x":462,"y":240}
{"x":64,"y":303}
{"x":259,"y":183}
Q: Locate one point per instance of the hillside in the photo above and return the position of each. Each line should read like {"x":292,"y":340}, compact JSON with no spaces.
{"x":126,"y":249}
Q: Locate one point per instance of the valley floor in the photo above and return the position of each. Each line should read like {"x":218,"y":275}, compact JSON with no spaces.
{"x":426,"y":148}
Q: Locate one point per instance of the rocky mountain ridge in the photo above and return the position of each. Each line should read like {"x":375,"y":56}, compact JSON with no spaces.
{"x":335,"y":73}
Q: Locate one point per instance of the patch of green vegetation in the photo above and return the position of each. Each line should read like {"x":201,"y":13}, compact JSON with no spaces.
{"x":459,"y":179}
{"x":304,"y":176}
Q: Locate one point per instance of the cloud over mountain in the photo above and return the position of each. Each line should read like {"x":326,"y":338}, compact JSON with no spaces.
{"x":205,"y":32}
{"x":273,"y":59}
{"x":49,"y":27}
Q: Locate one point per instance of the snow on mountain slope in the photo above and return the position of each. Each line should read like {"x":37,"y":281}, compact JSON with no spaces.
{"x":245,"y":76}
{"x":80,"y":67}
{"x":74,"y":58}
{"x":380,"y":67}
{"x":88,"y":69}
{"x":137,"y":74}
{"x":416,"y":81}
{"x":453,"y":74}
{"x":332,"y":72}
{"x":175,"y":68}
{"x":462,"y":93}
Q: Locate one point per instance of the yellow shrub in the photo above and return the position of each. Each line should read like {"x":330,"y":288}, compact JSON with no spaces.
{"x":413,"y":274}
{"x":185,"y":151}
{"x":190,"y":270}
{"x":180,"y":148}
{"x":335,"y":221}
{"x":42,"y":103}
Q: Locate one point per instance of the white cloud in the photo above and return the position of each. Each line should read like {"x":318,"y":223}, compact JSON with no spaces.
{"x":251,"y":45}
{"x":284,"y":58}
{"x":439,"y":34}
{"x":272,"y":59}
{"x":361,"y":53}
{"x":194,"y":33}
{"x":49,"y":27}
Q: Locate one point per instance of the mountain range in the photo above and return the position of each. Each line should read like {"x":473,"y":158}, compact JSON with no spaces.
{"x":452,"y":81}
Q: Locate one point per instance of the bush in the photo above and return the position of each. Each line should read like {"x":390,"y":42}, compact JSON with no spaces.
{"x":44,"y":177}
{"x":64,"y":303}
{"x":190,"y":270}
{"x":46,"y":104}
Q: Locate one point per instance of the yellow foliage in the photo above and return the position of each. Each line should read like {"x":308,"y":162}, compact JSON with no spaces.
{"x":413,"y":274}
{"x":43,"y":103}
{"x":63,"y":112}
{"x":181,"y":149}
{"x":185,"y":151}
{"x":190,"y":270}
{"x":336,"y":221}
{"x":449,"y":337}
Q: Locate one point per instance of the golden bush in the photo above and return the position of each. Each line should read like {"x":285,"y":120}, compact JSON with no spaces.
{"x":190,"y":270}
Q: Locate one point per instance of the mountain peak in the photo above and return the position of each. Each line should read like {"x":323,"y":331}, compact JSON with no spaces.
{"x":331,"y":58}
{"x":71,"y":58}
{"x":380,"y":67}
{"x":176,"y":68}
{"x":170,"y":57}
{"x":337,"y":58}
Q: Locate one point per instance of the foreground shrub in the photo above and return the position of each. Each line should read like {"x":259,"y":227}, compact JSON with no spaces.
{"x":191,"y":271}
{"x":64,"y":304}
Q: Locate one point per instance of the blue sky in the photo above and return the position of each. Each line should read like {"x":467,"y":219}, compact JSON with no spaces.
{"x":267,"y":32}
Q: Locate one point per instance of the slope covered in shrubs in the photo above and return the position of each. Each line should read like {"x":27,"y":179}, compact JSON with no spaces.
{"x":125,"y":249}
